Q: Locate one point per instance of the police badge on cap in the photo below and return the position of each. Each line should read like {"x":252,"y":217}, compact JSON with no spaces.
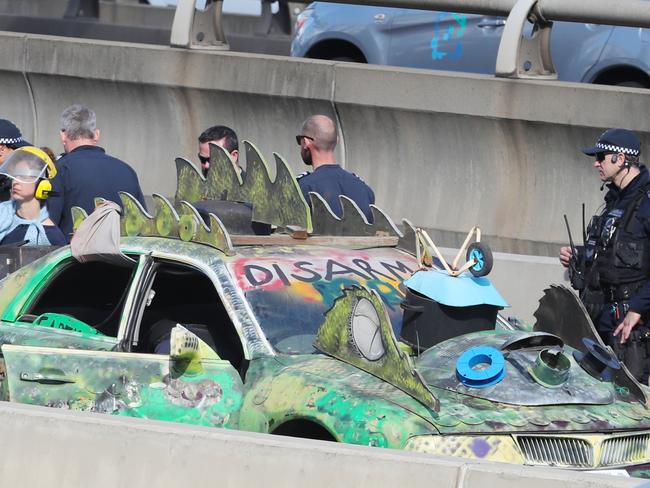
{"x":616,"y":141}
{"x":10,"y":135}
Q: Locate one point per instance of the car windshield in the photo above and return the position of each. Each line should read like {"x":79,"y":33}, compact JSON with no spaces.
{"x":291,"y":291}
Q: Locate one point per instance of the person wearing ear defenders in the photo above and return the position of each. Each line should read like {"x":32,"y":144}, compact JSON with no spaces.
{"x":615,"y":260}
{"x":25,"y":217}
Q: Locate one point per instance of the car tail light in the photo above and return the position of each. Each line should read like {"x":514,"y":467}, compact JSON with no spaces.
{"x":301,"y":20}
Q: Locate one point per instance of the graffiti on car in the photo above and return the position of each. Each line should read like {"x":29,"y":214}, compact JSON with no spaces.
{"x":448,"y":29}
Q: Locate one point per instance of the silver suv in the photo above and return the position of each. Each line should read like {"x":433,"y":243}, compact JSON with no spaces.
{"x":587,"y":53}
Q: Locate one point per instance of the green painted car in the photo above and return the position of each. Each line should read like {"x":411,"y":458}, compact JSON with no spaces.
{"x":298,"y":336}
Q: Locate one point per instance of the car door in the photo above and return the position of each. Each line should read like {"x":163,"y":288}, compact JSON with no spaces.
{"x":445,"y":41}
{"x":577,"y":50}
{"x":130,"y":384}
{"x":119,"y":382}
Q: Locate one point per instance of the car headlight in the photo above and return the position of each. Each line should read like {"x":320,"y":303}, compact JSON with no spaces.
{"x":576,"y":451}
{"x":490,"y":447}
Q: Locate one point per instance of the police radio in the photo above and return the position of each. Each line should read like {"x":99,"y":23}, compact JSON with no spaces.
{"x":576,"y":262}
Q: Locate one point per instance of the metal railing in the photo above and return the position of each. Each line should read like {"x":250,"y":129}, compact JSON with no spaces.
{"x":519,"y":55}
{"x":631,"y":13}
{"x":195,"y":29}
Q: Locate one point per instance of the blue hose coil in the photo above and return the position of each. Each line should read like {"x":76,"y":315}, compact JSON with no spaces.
{"x":473,"y":377}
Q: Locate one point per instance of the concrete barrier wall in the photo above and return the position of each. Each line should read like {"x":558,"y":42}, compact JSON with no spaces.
{"x":45,"y":447}
{"x":446,"y":150}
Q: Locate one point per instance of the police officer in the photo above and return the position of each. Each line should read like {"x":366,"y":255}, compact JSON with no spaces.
{"x":317,"y":141}
{"x":616,"y":257}
{"x":10,"y":140}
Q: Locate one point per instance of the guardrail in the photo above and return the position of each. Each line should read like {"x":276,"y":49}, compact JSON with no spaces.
{"x":201,"y":29}
{"x":632,"y":13}
{"x":519,"y":55}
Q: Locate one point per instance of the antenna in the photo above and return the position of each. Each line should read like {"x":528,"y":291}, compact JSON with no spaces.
{"x":584,"y":228}
{"x":576,"y":271}
{"x":568,"y":229}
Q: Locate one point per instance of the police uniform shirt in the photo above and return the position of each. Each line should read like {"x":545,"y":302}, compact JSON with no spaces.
{"x":83,"y":174}
{"x":617,"y":203}
{"x":330,"y":181}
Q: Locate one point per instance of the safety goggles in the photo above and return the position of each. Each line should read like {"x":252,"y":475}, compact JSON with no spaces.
{"x":24,"y":168}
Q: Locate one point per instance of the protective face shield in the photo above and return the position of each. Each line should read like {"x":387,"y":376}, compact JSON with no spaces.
{"x":30,"y":165}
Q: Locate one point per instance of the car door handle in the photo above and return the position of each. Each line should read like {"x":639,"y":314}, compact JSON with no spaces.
{"x":49,"y":378}
{"x":492,"y":24}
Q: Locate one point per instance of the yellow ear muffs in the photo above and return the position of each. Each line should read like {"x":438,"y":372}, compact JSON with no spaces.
{"x":43,"y":189}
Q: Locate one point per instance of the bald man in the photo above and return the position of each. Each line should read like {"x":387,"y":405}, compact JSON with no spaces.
{"x":317,"y":141}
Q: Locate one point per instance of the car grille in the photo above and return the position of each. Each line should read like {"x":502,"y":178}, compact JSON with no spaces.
{"x":622,"y":450}
{"x":563,"y":451}
{"x":585,"y":451}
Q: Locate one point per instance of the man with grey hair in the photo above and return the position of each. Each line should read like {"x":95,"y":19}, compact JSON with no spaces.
{"x":86,"y":171}
{"x":317,"y":142}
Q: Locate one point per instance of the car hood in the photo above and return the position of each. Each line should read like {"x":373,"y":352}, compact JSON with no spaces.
{"x":518,"y":402}
{"x":438,"y":367}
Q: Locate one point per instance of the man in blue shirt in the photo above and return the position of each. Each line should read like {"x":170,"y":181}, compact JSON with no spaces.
{"x":317,"y":141}
{"x":86,"y":171}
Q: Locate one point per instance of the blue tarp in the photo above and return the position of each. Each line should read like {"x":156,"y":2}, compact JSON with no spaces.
{"x":456,"y":291}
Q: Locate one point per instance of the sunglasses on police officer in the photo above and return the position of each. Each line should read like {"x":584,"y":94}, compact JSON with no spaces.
{"x":600,"y":157}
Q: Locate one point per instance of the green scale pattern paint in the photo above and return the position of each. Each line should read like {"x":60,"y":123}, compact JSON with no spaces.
{"x":355,"y":407}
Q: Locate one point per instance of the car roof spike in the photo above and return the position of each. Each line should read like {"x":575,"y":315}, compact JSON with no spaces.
{"x":383,"y":223}
{"x":224,"y":180}
{"x":190,"y":183}
{"x":287,"y":210}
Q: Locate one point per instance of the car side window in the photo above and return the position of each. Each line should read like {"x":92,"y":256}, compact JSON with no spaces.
{"x":93,"y":293}
{"x":184,"y":295}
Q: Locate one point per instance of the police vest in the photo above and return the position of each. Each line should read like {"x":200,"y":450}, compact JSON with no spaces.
{"x":621,"y":256}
